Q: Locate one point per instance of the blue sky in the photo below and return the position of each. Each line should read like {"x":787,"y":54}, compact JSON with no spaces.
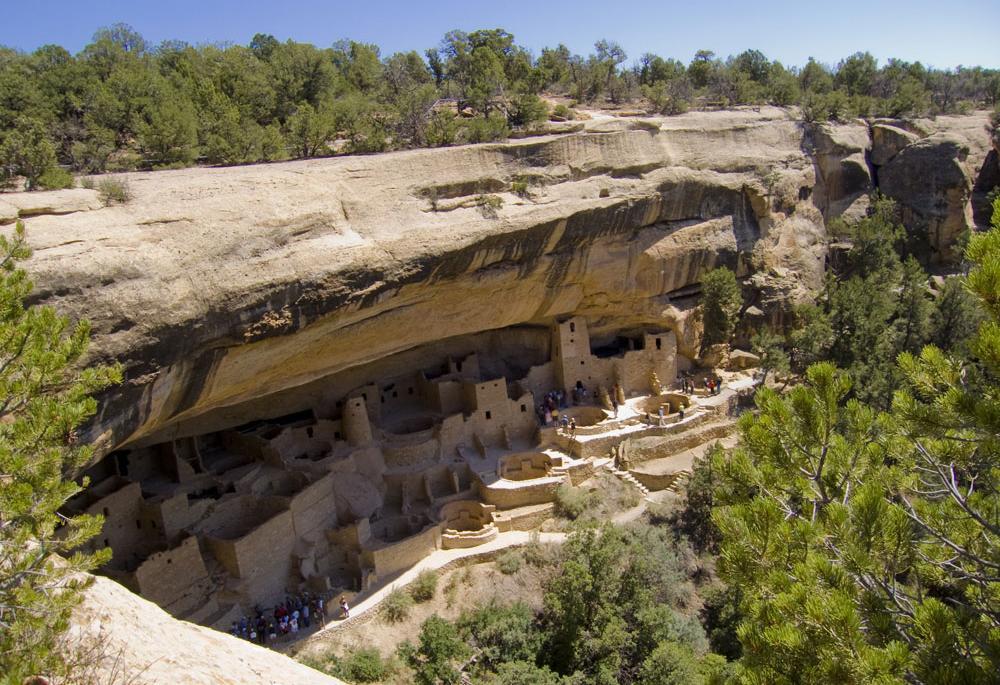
{"x":942,"y":34}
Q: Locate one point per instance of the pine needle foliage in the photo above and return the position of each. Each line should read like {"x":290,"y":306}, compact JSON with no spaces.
{"x":44,"y":398}
{"x":865,"y":544}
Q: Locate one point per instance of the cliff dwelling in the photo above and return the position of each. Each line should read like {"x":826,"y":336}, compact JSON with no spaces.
{"x":370,"y":470}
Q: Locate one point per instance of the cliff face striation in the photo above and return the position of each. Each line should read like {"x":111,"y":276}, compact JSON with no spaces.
{"x":231,"y":294}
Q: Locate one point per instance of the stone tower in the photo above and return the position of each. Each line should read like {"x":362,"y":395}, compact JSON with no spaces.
{"x":357,"y":427}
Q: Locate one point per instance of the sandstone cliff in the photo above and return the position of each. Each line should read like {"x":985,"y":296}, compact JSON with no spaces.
{"x":128,"y":639}
{"x":228,"y":293}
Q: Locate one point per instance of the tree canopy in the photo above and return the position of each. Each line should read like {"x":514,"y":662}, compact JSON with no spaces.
{"x":865,"y":544}
{"x":123,"y":103}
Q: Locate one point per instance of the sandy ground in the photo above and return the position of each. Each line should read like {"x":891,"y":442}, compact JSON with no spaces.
{"x":457,"y":590}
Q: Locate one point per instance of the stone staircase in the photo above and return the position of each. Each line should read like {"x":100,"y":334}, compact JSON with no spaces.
{"x":626,"y":477}
{"x":679,"y":482}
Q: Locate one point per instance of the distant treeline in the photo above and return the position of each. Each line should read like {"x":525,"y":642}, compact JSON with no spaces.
{"x":123,"y":104}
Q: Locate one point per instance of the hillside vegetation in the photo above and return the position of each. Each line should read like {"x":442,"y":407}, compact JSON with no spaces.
{"x":124,"y":104}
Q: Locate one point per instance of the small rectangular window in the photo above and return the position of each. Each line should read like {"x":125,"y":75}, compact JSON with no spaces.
{"x":523,"y":408}
{"x":658,"y":344}
{"x":488,"y":416}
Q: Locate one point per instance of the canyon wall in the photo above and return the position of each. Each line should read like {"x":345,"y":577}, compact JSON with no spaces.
{"x":232,"y":294}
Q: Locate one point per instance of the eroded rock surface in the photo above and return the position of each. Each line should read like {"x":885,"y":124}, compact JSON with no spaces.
{"x":129,"y":639}
{"x":219,"y":287}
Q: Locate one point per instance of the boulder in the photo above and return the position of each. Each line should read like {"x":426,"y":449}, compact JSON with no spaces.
{"x":932,"y":183}
{"x":106,"y":629}
{"x":741,"y":359}
{"x":888,"y":141}
{"x":715,"y":356}
{"x":843,"y":178}
{"x":50,"y":202}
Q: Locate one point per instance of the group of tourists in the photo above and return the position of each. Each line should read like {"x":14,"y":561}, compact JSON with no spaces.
{"x":554,"y":403}
{"x":551,"y":407}
{"x":295,"y":614}
{"x":713,"y":384}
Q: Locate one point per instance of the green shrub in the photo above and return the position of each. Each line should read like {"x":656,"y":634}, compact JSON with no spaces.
{"x":364,"y":665}
{"x":520,"y":188}
{"x":563,"y":112}
{"x":489,"y":204}
{"x":527,"y":109}
{"x":114,"y":191}
{"x":442,"y":129}
{"x":509,"y":562}
{"x":539,"y":555}
{"x":501,"y":632}
{"x":88,"y":182}
{"x":486,"y":129}
{"x":423,"y":588}
{"x":55,"y":178}
{"x":571,"y":502}
{"x":124,"y":160}
{"x":396,"y":605}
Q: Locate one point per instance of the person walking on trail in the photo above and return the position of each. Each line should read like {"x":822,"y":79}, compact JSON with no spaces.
{"x":344,"y":608}
{"x":661,"y":414}
{"x":572,"y":428}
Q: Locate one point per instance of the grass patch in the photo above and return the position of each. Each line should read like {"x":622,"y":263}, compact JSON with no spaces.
{"x":114,"y":191}
{"x":451,"y":591}
{"x":540,"y":555}
{"x":604,"y":496}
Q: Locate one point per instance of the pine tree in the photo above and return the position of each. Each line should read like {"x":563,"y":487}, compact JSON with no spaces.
{"x":949,"y":487}
{"x":43,"y":399}
{"x":866,"y":545}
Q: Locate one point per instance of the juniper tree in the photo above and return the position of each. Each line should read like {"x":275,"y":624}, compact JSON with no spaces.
{"x":770,"y":347}
{"x":43,"y":399}
{"x":721,"y":301}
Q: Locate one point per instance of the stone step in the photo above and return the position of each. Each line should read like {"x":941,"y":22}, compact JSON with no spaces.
{"x":677,"y":485}
{"x":626,"y":477}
